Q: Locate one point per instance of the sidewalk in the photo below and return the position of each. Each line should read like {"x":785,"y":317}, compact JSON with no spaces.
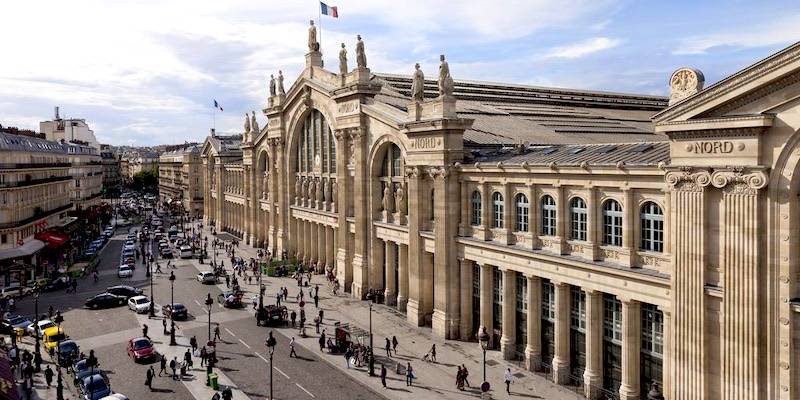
{"x":41,"y":391}
{"x":434,"y":380}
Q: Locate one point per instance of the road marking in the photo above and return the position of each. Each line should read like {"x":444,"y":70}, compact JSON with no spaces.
{"x":262,"y":357}
{"x":231,"y":333}
{"x":245,"y":344}
{"x":282,"y":373}
{"x":304,"y":389}
{"x":198,"y":303}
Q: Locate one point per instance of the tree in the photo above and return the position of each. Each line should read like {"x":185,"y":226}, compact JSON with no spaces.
{"x":146,"y":180}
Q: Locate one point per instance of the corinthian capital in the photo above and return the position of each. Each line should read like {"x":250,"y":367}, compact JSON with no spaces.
{"x":356,"y":133}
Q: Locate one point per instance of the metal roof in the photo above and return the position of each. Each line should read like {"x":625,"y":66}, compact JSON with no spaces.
{"x":641,"y":153}
{"x":9,"y":142}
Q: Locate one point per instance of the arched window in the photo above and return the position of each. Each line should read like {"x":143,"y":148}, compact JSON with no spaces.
{"x":391,"y":172}
{"x":578,"y":218}
{"x":475,"y":219}
{"x":316,"y":149}
{"x":652,"y":227}
{"x":548,"y":216}
{"x":521,"y":202}
{"x":497,"y":210}
{"x":612,"y":223}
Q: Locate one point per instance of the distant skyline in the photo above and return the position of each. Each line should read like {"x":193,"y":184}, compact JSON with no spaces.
{"x":146,"y":72}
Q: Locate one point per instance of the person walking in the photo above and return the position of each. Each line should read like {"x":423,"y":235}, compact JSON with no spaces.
{"x":187,"y":357}
{"x":148,"y":380}
{"x":394,"y":344}
{"x":203,"y":356}
{"x":163,"y":365}
{"x":292,"y":353}
{"x":433,"y":353}
{"x":321,"y":340}
{"x":173,"y":365}
{"x":293,"y":317}
{"x":216,"y":333}
{"x":347,"y":355}
{"x":48,"y":375}
{"x":278,"y":299}
{"x":144,"y":331}
{"x":193,"y":343}
{"x":164,"y":324}
{"x":388,"y":348}
{"x":508,"y":378}
{"x":465,"y":373}
{"x":316,"y":301}
{"x":409,"y":374}
{"x":317,"y":322}
{"x":383,"y":375}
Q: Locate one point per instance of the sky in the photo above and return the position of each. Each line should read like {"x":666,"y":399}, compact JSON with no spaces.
{"x":145,"y":72}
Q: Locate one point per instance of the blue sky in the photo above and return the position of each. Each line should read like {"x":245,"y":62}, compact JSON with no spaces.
{"x":145,"y":72}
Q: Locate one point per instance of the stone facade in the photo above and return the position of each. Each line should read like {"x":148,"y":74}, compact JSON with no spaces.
{"x":180,"y":178}
{"x":611,"y":252}
{"x":112,"y":178}
{"x":87,"y":172}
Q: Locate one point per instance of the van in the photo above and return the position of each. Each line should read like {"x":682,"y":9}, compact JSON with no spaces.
{"x":186,"y":251}
{"x":51,"y":336}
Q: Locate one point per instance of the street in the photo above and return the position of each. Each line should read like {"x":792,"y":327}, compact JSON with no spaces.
{"x":243,"y":356}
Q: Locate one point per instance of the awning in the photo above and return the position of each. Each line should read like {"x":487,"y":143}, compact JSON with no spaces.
{"x":54,"y":239}
{"x":30,"y":247}
{"x":8,"y":390}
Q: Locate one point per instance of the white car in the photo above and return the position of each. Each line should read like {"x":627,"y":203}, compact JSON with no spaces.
{"x":186,"y":251}
{"x":139,"y":304}
{"x":125,"y":271}
{"x":13,"y":290}
{"x":206,"y":277}
{"x":115,"y":396}
{"x":43,"y":324}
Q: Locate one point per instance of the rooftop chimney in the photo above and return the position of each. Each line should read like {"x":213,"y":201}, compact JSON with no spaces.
{"x":57,"y":118}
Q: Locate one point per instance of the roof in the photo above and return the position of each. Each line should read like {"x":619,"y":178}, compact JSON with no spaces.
{"x":632,"y":154}
{"x":507,"y":114}
{"x":9,"y":142}
{"x":226,"y":145}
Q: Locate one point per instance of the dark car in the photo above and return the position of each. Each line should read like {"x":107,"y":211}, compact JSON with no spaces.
{"x":106,"y":300}
{"x":68,"y":351}
{"x":95,"y":387}
{"x":60,"y":283}
{"x":175,"y":311}
{"x":125,"y":291}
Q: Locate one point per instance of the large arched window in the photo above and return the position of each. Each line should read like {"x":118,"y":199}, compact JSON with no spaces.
{"x":612,"y":223}
{"x":316,"y":149}
{"x":391,"y":172}
{"x":475,"y":218}
{"x":578,"y":218}
{"x":548,"y":216}
{"x":497,"y":210}
{"x":521,"y":202}
{"x":652,"y":220}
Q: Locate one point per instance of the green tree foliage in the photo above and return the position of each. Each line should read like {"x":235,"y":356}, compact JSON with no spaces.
{"x":146,"y":180}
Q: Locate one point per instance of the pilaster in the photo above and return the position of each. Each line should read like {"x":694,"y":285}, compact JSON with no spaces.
{"x":391,"y":285}
{"x":562,"y":334}
{"x":415,"y":246}
{"x":466,"y":299}
{"x":360,"y":213}
{"x":593,"y":374}
{"x":446,"y":310}
{"x":344,"y":269}
{"x":487,"y":285}
{"x":508,"y":340}
{"x":631,"y":350}
{"x":402,"y":276}
{"x":533,"y":348}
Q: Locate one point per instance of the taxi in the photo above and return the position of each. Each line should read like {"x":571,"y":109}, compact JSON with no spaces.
{"x":51,"y":336}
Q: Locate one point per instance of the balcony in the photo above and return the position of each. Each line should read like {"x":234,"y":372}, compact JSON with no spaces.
{"x":32,"y":182}
{"x":35,"y":217}
{"x":33,"y":165}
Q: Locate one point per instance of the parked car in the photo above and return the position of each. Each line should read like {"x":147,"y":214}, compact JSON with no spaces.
{"x":206,"y":277}
{"x":141,"y":348}
{"x":15,"y":290}
{"x":40,"y":327}
{"x":115,"y":396}
{"x":18,"y":321}
{"x":125,"y":291}
{"x":186,"y":251}
{"x":175,"y":311}
{"x":51,"y":338}
{"x":67,"y":351}
{"x":125,"y":271}
{"x":166,"y":252}
{"x":59,"y":283}
{"x":105,"y":300}
{"x":139,"y":304}
{"x":95,"y":387}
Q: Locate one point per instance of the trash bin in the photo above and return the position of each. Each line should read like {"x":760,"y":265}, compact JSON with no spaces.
{"x":213,"y":380}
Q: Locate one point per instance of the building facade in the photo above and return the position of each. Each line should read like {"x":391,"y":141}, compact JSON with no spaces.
{"x":86,"y":170}
{"x":112,"y":177}
{"x":68,"y":130}
{"x":180,"y":178}
{"x":616,"y":241}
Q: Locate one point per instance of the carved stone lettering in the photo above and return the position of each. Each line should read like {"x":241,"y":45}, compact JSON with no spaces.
{"x":723,"y":147}
{"x":425,"y":143}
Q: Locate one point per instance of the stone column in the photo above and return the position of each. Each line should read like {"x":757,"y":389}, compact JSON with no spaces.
{"x":466,"y":300}
{"x":464,"y":222}
{"x":344,"y":269}
{"x":220,"y":196}
{"x":533,"y":350}
{"x":308,"y":245}
{"x":377,"y":265}
{"x":402,"y":274}
{"x":361,"y":211}
{"x":416,"y":249}
{"x":631,"y":349}
{"x":593,"y":374}
{"x":629,"y":217}
{"x":508,"y":340}
{"x":330,"y":242}
{"x":251,"y":199}
{"x":282,"y":202}
{"x":299,"y":238}
{"x":323,"y":252}
{"x":688,"y":370}
{"x":669,"y":350}
{"x":592,"y":222}
{"x":487,"y":285}
{"x":562,"y":357}
{"x":535,"y":220}
{"x":446,"y":307}
{"x":390,"y":294}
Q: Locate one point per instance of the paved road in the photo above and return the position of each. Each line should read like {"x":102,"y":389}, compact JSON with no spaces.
{"x":242,"y":353}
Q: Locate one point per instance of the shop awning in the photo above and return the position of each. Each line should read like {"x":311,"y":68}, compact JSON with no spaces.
{"x":53,"y":239}
{"x":8,"y":390}
{"x":30,"y":247}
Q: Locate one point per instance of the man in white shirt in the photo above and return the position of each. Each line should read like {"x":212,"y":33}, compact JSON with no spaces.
{"x":508,"y":378}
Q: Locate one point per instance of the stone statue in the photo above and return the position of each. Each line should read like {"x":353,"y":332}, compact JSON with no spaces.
{"x":326,"y":191}
{"x":298,"y":187}
{"x":304,"y":193}
{"x":246,"y":124}
{"x":343,"y":60}
{"x":418,"y":84}
{"x":271,"y":85}
{"x":313,"y":45}
{"x":312,"y":188}
{"x":281,"y":90}
{"x":361,"y":58}
{"x":683,"y":83}
{"x":264,"y":184}
{"x":388,"y":199}
{"x":320,"y":195}
{"x":334,"y":192}
{"x":445,"y":80}
{"x":254,"y":124}
{"x":400,"y":200}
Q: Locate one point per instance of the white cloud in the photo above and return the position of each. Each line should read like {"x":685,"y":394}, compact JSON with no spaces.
{"x":775,"y":32}
{"x":584,"y":48}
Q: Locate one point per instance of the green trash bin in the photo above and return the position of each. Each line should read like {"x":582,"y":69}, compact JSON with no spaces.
{"x":213,"y":380}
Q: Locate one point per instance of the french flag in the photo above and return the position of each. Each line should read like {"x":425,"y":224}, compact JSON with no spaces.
{"x":329,"y":11}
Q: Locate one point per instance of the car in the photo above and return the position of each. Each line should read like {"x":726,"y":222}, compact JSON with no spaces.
{"x":105,"y":300}
{"x":175,"y":311}
{"x":59,"y":283}
{"x":15,"y":290}
{"x":139,"y":304}
{"x":52,"y":336}
{"x":81,"y":370}
{"x":186,"y":251}
{"x":95,"y":387}
{"x":166,"y":252}
{"x":6,"y":328}
{"x":125,"y":271}
{"x":115,"y":396}
{"x":125,"y":291}
{"x":141,"y":348}
{"x":18,"y":321}
{"x":67,"y":351}
{"x":39,"y":327}
{"x":206,"y":277}
{"x":230,"y":299}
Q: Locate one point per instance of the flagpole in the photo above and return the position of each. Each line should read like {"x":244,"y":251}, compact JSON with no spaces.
{"x":319,"y":9}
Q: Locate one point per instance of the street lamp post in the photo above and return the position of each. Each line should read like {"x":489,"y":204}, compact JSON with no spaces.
{"x":483,"y":337}
{"x":172,"y":341}
{"x":209,"y":303}
{"x":271,"y":342}
{"x":371,"y":348}
{"x":59,"y":385}
{"x":152,"y":293}
{"x":38,"y":348}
